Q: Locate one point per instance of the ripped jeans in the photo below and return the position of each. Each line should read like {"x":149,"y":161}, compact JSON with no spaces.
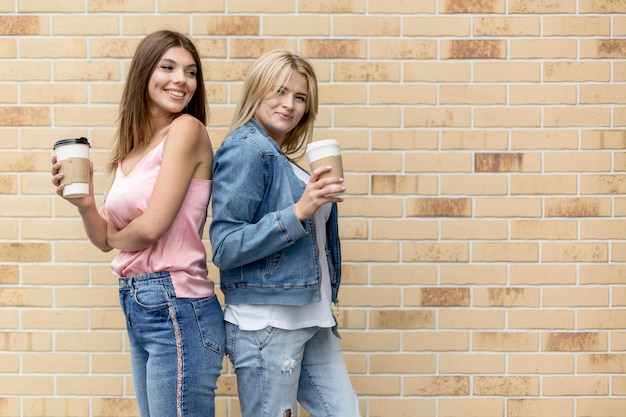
{"x":276,"y":367}
{"x":176,"y":347}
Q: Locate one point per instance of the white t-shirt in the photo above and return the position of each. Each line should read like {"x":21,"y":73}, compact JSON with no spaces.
{"x":320,"y":314}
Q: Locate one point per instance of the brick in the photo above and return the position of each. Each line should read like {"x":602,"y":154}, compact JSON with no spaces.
{"x":574,"y":342}
{"x":84,"y":25}
{"x":46,"y":406}
{"x":474,"y":7}
{"x":544,"y":139}
{"x":436,"y":72}
{"x":435,"y":252}
{"x":349,"y":26}
{"x":543,"y":49}
{"x":543,"y":94}
{"x":18,"y":341}
{"x":601,"y":363}
{"x":505,"y":297}
{"x":603,"y":6}
{"x":203,"y":6}
{"x":123,"y":407}
{"x":476,"y":364}
{"x":437,"y":386}
{"x":368,"y":385}
{"x":473,"y":49}
{"x":577,"y":207}
{"x":505,"y":342}
{"x":366,"y":71}
{"x":438,"y":341}
{"x":470,"y":319}
{"x":516,"y":386}
{"x":401,"y":364}
{"x":141,"y":25}
{"x":299,"y":26}
{"x":473,"y":185}
{"x":366,"y":342}
{"x":540,"y":407}
{"x":600,"y":406}
{"x":50,"y":94}
{"x":336,"y":48}
{"x":392,"y":229}
{"x":404,"y":407}
{"x":23,"y":25}
{"x":56,"y":363}
{"x":398,"y":6}
{"x":607,"y":229}
{"x":507,"y":72}
{"x":536,"y":6}
{"x":506,"y":26}
{"x":472,"y":94}
{"x":437,"y":117}
{"x":401,"y":319}
{"x":576,"y":26}
{"x":544,"y":230}
{"x":435,"y":26}
{"x":507,"y":117}
{"x":534,"y":363}
{"x":374,"y":208}
{"x":54,"y":319}
{"x":403,"y":184}
{"x":471,"y":229}
{"x":440,"y":207}
{"x":575,"y":252}
{"x":602,"y":274}
{"x":539,"y":319}
{"x":438,"y":297}
{"x":402,"y":274}
{"x":543,"y":184}
{"x":544,"y":275}
{"x":370,"y":297}
{"x":511,"y":207}
{"x":438,"y":162}
{"x":24,"y":252}
{"x":368,"y":116}
{"x":474,"y":139}
{"x":472,"y":274}
{"x":505,"y":162}
{"x":57,"y":6}
{"x":88,"y":341}
{"x":340,"y":6}
{"x":403,"y":139}
{"x":403,"y":49}
{"x":576,"y":71}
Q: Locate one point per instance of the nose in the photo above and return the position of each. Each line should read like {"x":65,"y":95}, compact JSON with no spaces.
{"x":288,"y":100}
{"x":178,"y":76}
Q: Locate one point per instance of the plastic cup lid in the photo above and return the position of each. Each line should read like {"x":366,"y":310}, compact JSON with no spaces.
{"x":73,"y":141}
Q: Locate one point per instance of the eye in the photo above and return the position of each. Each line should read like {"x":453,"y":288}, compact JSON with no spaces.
{"x":301,"y":98}
{"x":192,"y":73}
{"x":167,"y":67}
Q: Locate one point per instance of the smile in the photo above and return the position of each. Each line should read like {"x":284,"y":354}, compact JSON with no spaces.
{"x":175,"y":93}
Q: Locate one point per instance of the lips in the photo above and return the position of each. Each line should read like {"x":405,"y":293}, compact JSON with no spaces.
{"x":175,"y":93}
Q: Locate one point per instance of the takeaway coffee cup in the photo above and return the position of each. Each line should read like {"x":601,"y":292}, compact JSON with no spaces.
{"x":323,"y":153}
{"x":73,"y":155}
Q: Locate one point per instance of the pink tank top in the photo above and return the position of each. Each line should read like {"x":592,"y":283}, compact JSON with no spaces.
{"x":180,"y":250}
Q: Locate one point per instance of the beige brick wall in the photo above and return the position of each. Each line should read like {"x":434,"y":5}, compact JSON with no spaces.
{"x":484,"y":232}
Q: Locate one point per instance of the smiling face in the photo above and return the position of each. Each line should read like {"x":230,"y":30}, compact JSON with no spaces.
{"x":173,"y":82}
{"x":281,"y":110}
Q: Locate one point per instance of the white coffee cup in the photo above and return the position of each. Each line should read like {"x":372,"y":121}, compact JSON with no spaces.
{"x":324,"y":153}
{"x":73,"y":155}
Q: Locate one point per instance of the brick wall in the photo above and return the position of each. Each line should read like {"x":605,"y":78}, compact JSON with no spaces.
{"x":484,"y":232}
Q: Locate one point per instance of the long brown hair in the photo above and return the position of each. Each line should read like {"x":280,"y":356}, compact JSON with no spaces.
{"x":271,"y":71}
{"x":134,"y":116}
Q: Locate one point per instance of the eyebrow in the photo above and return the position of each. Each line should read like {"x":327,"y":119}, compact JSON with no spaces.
{"x":174,"y":62}
{"x":287,"y":89}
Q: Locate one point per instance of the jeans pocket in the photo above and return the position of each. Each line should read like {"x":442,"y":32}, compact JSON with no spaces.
{"x":210,"y":321}
{"x":152,"y":297}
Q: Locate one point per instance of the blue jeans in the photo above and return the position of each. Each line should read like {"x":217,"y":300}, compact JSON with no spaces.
{"x":276,"y":367}
{"x":176,"y":347}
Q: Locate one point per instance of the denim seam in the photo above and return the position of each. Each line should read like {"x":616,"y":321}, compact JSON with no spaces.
{"x":179,"y":357}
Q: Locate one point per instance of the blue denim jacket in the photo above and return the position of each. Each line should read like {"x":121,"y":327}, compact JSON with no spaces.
{"x":265,"y":254}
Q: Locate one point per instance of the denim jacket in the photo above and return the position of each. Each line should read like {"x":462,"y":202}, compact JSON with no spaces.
{"x":265,"y":254}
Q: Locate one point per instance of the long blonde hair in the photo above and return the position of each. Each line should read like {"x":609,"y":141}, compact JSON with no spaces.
{"x":270,"y":72}
{"x":134,"y":116}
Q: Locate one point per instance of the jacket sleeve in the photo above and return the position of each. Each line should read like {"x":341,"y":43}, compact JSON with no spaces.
{"x":239,"y":235}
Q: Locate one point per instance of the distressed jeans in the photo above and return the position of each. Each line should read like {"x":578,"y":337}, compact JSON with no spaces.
{"x":276,"y":367}
{"x":176,"y":347}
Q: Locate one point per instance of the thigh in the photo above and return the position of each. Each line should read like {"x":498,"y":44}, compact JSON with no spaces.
{"x":325,"y":389}
{"x":184,"y":342}
{"x":267,"y":364}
